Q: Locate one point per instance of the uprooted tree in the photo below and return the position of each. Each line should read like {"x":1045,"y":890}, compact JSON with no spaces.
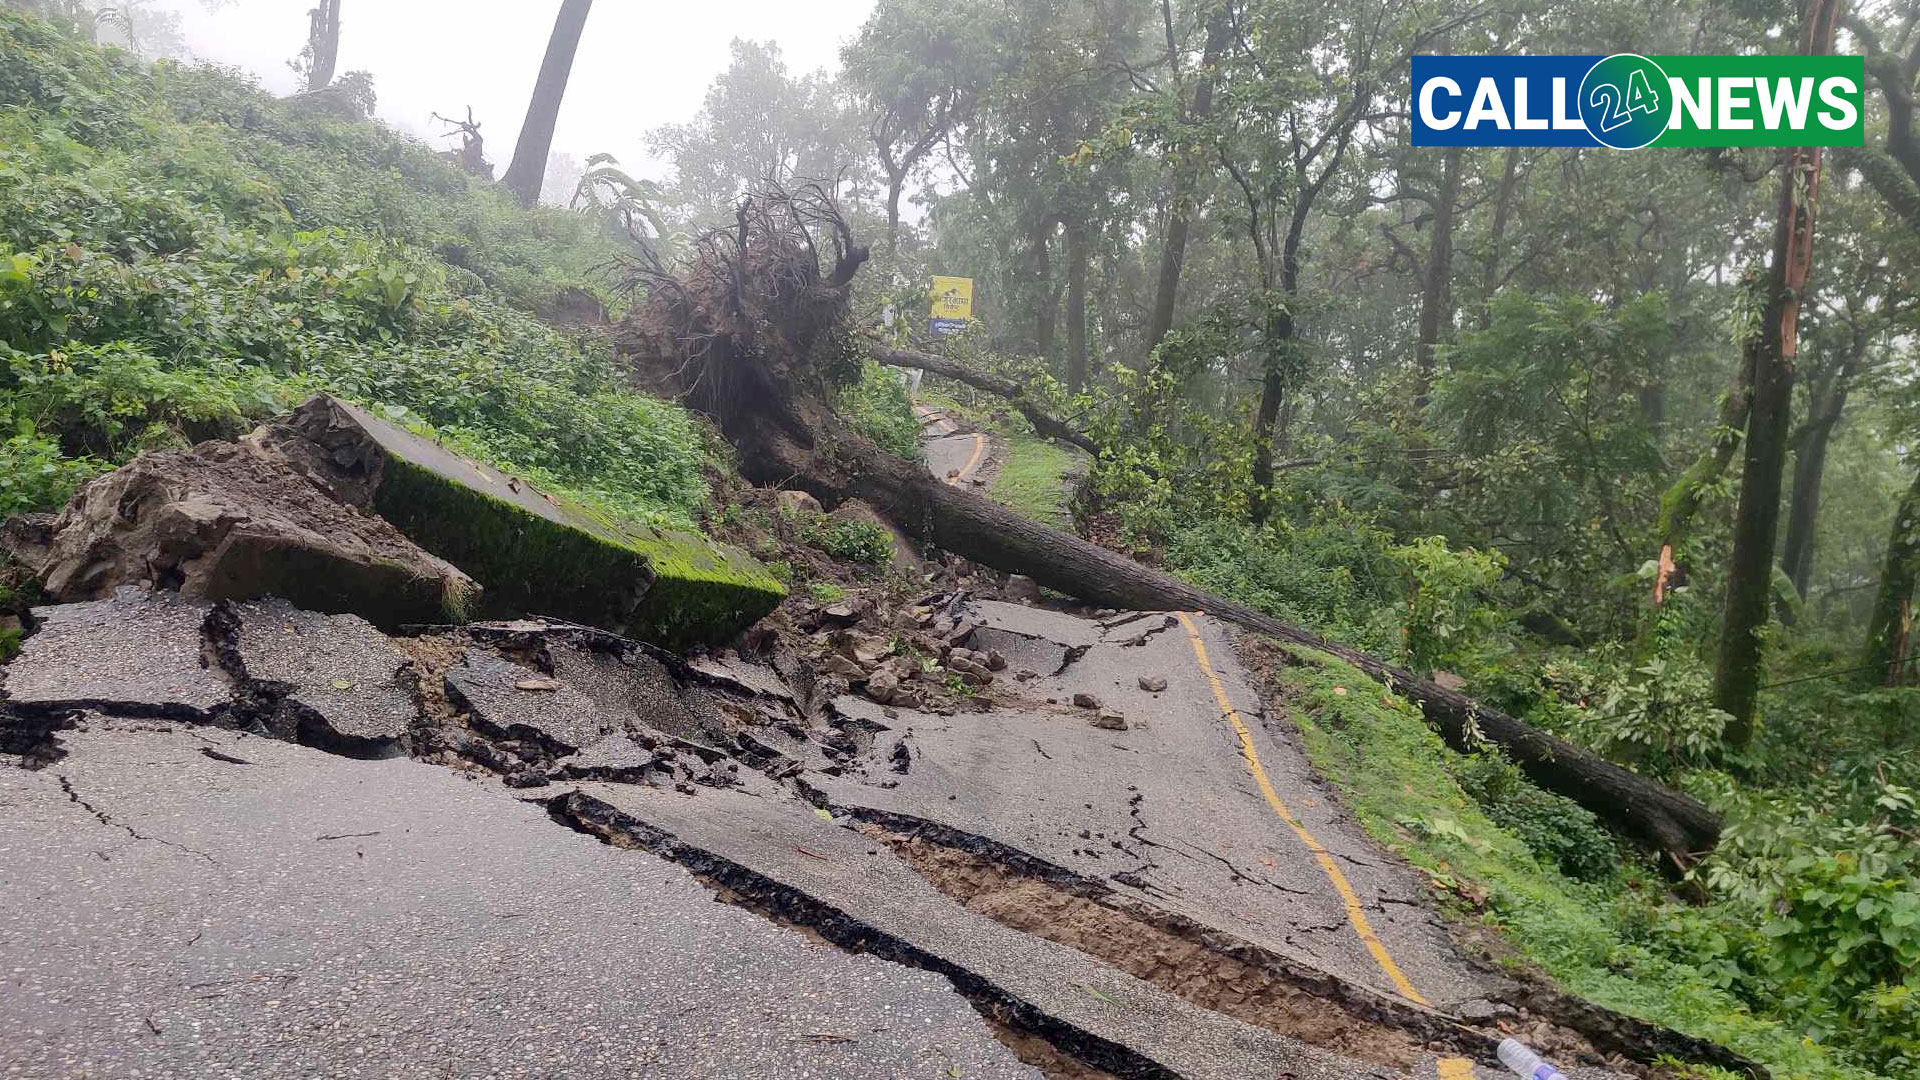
{"x":755,"y":332}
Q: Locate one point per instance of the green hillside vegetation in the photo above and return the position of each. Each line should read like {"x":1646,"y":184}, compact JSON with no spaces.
{"x":182,"y":255}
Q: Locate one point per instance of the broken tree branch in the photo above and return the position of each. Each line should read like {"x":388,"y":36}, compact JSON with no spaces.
{"x":1043,"y":423}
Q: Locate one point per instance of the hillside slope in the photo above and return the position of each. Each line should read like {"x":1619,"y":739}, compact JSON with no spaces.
{"x":182,"y":254}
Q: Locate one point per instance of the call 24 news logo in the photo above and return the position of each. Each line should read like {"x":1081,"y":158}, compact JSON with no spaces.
{"x":1627,"y":101}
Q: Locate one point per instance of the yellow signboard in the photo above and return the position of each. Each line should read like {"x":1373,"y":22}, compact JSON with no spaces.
{"x":952,"y":304}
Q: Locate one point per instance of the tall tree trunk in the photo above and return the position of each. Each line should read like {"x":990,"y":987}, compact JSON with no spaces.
{"x":1043,"y":291}
{"x":1772,"y":347}
{"x":1826,"y":403}
{"x":1497,"y":236}
{"x":1890,"y":630}
{"x":1186,"y":185}
{"x":323,"y":43}
{"x":1436,"y":304}
{"x":543,"y":111}
{"x":1277,"y":337}
{"x":1077,"y":258}
{"x":896,"y":182}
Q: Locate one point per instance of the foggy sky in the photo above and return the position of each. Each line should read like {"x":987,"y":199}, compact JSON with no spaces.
{"x":641,"y":63}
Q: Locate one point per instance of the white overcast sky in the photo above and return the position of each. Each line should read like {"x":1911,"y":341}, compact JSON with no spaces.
{"x":641,"y":63}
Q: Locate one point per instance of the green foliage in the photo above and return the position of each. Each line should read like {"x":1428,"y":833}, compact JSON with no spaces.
{"x":182,"y":255}
{"x":878,"y":407}
{"x":848,"y":539}
{"x":1034,"y":478}
{"x":1560,"y":833}
{"x":1613,"y":938}
{"x":825,"y":592}
{"x":1447,"y":612}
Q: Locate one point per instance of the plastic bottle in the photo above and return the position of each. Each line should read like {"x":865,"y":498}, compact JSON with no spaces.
{"x":1519,"y":1057}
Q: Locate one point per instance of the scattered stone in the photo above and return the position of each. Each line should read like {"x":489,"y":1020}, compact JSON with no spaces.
{"x":996,"y":661}
{"x":136,"y":654}
{"x":799,"y":502}
{"x":836,"y":664}
{"x":1153,"y":684}
{"x":870,"y":649}
{"x":1110,"y":720}
{"x":546,"y":685}
{"x":1085,"y":700}
{"x":882,"y":685}
{"x":844,"y":613}
{"x":341,"y":684}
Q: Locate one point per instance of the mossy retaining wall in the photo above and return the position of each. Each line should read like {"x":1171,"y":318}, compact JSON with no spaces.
{"x":538,"y":553}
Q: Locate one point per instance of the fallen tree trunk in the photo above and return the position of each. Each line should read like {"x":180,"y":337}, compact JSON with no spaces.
{"x":741,"y":335}
{"x":1044,"y":424}
{"x":980,"y":529}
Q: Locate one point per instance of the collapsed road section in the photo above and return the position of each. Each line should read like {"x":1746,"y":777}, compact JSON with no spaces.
{"x":212,"y":882}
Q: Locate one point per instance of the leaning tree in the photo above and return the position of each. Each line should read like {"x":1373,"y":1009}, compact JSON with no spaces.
{"x":754,"y":331}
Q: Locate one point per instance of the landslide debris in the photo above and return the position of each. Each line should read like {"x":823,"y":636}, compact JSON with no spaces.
{"x":535,"y":551}
{"x":235,"y":521}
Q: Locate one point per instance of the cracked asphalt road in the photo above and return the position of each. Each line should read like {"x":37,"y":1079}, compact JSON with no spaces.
{"x":952,"y":456}
{"x":305,"y":915}
{"x":1167,"y":810}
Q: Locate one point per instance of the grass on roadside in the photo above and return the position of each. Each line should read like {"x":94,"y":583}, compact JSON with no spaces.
{"x":1034,"y":478}
{"x":1610,"y":941}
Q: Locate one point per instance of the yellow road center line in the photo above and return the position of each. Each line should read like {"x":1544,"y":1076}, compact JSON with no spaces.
{"x":1356,"y":917}
{"x":1447,"y":1068}
{"x":979,"y":449}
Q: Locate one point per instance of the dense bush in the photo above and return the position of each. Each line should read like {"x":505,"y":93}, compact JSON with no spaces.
{"x":878,"y":407}
{"x":182,"y":255}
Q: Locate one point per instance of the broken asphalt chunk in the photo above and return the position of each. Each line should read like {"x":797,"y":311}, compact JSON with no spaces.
{"x":138,"y":653}
{"x":563,"y":721}
{"x":337,"y":681}
{"x":226,"y":521}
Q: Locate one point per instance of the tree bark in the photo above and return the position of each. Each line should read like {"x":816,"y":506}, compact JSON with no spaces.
{"x":1044,"y":424}
{"x":980,"y":529}
{"x":1186,"y":187}
{"x":1772,"y":348}
{"x":529,"y":165}
{"x":1436,"y":305}
{"x":323,"y":41}
{"x":1889,"y":631}
{"x":1497,"y":236}
{"x":895,"y":182}
{"x":1077,"y":258}
{"x":1826,"y":402}
{"x":1043,"y":296}
{"x":1277,"y":334}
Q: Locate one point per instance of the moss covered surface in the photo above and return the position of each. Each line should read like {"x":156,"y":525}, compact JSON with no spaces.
{"x":666,"y":587}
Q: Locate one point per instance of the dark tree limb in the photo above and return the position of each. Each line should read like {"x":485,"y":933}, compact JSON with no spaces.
{"x":1044,"y":424}
{"x":1665,"y":821}
{"x":756,"y":373}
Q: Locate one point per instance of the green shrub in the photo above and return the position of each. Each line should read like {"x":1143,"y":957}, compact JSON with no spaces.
{"x":182,"y":255}
{"x":877,"y":406}
{"x":1559,"y":831}
{"x":1332,"y":574}
{"x":847,"y":539}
